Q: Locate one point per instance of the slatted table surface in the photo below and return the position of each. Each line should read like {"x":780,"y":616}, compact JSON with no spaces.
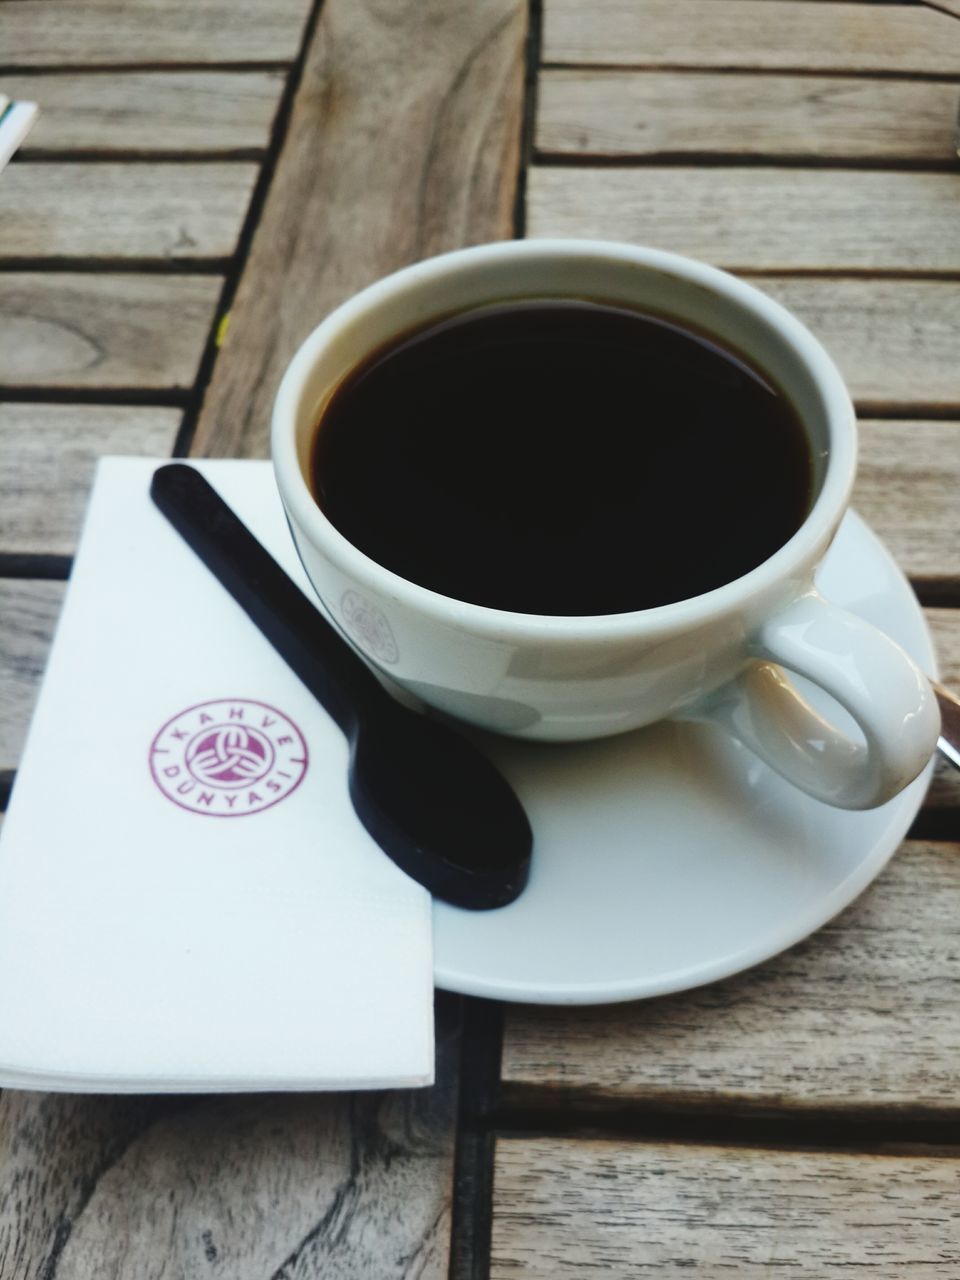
{"x":205,"y":182}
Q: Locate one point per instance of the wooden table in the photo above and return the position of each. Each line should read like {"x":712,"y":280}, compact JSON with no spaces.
{"x":206,"y":181}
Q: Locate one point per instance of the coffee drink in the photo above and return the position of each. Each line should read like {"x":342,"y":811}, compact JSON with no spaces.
{"x":562,"y":457}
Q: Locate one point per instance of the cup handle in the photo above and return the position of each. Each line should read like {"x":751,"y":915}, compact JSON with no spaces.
{"x":865,"y":671}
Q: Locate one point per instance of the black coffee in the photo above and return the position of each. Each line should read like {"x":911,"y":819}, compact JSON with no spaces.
{"x":562,"y":457}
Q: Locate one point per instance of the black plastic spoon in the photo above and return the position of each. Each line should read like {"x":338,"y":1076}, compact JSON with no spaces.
{"x":427,"y":795}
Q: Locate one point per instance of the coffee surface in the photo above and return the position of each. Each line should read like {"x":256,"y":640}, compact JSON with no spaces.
{"x":565,"y":458}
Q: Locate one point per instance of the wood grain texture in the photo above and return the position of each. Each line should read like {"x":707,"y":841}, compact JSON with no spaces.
{"x":621,"y":114}
{"x":103,"y":331}
{"x":48,"y":453}
{"x":633,"y":1209}
{"x":944,"y":627}
{"x":945,"y":6}
{"x":758,"y":218}
{"x":797,"y":35}
{"x":289,"y":1187}
{"x":894,"y":340}
{"x":28,"y":616}
{"x":862,"y":1017}
{"x":403,"y":143}
{"x":57,"y":33}
{"x":114,"y":211}
{"x":908,"y":482}
{"x":144,"y":112}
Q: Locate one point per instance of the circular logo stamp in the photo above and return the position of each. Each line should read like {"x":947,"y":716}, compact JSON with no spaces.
{"x":369,"y":627}
{"x":228,"y":758}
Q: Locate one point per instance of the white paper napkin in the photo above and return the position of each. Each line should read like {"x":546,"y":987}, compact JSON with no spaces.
{"x":187,"y":900}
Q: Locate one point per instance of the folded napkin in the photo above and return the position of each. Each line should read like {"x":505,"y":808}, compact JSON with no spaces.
{"x":187,"y":900}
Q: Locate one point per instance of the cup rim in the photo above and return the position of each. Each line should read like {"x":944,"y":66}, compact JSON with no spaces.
{"x":791,"y":559}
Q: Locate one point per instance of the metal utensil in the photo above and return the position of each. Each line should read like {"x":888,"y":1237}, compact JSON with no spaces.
{"x":430,"y":798}
{"x":949,"y":740}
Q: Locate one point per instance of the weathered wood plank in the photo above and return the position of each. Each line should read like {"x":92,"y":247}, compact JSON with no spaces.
{"x":289,"y":1187}
{"x":790,"y":35}
{"x":103,"y":331}
{"x":45,"y":33}
{"x":381,"y":167}
{"x":143,"y":112}
{"x":864,"y":1016}
{"x":894,"y":340}
{"x":908,"y":482}
{"x":757,"y":218}
{"x":621,"y":114}
{"x":28,"y":616}
{"x":945,"y":6}
{"x":944,"y":626}
{"x":113,"y":211}
{"x":628,"y":1209}
{"x":48,"y":453}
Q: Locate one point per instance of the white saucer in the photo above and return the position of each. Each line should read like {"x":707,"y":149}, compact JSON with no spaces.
{"x":671,"y":857}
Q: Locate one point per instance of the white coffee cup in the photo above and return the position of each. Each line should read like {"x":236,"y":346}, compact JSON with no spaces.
{"x":720,"y":656}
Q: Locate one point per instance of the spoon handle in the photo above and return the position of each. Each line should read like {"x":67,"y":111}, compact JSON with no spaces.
{"x":310,"y":646}
{"x":949,"y":740}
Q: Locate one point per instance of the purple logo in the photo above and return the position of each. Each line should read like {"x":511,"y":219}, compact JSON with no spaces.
{"x":228,"y":758}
